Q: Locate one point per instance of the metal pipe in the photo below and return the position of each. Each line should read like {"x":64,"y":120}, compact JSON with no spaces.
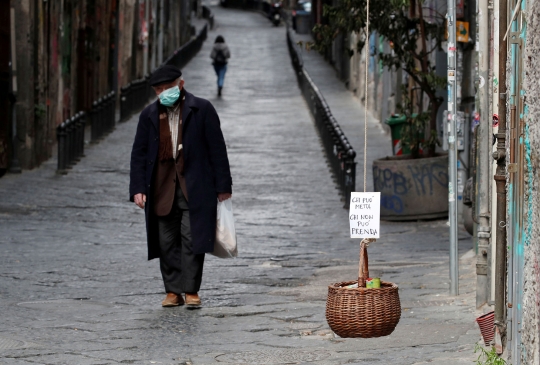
{"x":77,"y":137}
{"x":484,"y":151}
{"x":68,"y":144}
{"x":83,"y":127}
{"x":474,"y":163}
{"x":161,"y":30}
{"x":107,"y":115}
{"x":61,"y":137}
{"x":115,"y":81}
{"x":15,"y":164}
{"x":500,"y":181}
{"x":452,"y":151}
{"x":127,"y":100}
{"x":101,"y":119}
{"x":93,"y":122}
{"x":113,"y":110}
{"x":153,"y":63}
{"x":73,"y":140}
{"x":513,"y":323}
{"x":145,"y":43}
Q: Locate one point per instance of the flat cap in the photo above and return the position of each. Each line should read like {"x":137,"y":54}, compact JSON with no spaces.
{"x":164,"y":74}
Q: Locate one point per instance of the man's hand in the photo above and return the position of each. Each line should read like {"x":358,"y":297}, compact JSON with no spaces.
{"x":140,"y":199}
{"x":223,"y":196}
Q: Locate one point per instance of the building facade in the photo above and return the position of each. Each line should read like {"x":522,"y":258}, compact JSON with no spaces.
{"x":513,"y":287}
{"x":524,"y":151}
{"x":69,"y":53}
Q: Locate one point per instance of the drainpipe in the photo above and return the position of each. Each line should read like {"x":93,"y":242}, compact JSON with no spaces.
{"x":161,"y":29}
{"x":145,"y":42}
{"x":199,"y":9}
{"x":154,"y":64}
{"x":500,"y":181}
{"x":116,"y":51}
{"x":484,"y":151}
{"x":15,"y":165}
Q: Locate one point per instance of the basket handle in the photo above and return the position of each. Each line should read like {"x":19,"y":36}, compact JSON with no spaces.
{"x":363,"y":270}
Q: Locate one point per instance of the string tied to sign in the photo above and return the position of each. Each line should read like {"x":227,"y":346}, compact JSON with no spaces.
{"x":366,"y":95}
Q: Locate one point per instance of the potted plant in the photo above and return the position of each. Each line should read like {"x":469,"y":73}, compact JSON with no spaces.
{"x":413,"y":186}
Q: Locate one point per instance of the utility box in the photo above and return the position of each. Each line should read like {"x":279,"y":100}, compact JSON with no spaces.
{"x":303,"y":23}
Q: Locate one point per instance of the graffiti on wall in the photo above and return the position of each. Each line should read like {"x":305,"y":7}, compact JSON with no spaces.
{"x":426,"y":176}
{"x":417,"y":180}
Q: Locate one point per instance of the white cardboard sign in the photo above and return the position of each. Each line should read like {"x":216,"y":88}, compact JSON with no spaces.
{"x":365,"y":215}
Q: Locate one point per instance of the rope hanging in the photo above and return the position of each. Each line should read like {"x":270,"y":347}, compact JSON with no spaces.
{"x":365,"y":107}
{"x":363,"y":270}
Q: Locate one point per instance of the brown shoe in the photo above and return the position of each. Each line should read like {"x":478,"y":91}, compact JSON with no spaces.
{"x":192,"y":299}
{"x":172,"y":300}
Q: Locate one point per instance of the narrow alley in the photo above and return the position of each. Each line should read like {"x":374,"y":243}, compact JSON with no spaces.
{"x":76,"y":288}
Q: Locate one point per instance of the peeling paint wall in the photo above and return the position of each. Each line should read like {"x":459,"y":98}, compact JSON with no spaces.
{"x":127,"y":13}
{"x":66,"y":61}
{"x":24,"y":37}
{"x":5,"y":104}
{"x":530,"y":353}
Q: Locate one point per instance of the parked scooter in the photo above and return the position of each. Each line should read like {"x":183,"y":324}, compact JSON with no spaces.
{"x":275,"y":14}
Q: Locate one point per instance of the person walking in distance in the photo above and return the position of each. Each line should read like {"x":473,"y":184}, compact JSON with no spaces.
{"x":179,"y":171}
{"x":220,"y":56}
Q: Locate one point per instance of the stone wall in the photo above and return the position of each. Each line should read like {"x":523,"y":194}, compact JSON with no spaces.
{"x":531,"y":292}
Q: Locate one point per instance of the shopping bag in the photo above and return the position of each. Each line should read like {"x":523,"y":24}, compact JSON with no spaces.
{"x":225,"y":246}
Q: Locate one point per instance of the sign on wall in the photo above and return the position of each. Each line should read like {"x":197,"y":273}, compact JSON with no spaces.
{"x":462,"y":31}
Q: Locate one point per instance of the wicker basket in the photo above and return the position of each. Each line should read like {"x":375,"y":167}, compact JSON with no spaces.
{"x":362,"y":312}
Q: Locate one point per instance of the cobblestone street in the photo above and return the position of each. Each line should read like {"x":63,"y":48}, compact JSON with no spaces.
{"x":76,"y":288}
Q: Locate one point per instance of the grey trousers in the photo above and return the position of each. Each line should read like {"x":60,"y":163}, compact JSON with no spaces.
{"x":181,"y":269}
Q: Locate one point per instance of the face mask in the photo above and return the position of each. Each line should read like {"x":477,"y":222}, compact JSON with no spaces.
{"x":170,"y":96}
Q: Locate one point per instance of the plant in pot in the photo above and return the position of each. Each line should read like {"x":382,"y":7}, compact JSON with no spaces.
{"x":422,"y":176}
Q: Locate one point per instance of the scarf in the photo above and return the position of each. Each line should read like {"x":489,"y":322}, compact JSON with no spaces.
{"x":165,"y":138}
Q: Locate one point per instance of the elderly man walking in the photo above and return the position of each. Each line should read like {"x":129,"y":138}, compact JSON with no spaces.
{"x":179,"y":170}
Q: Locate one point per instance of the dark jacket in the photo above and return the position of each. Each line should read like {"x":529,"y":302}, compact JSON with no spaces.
{"x":206,"y":169}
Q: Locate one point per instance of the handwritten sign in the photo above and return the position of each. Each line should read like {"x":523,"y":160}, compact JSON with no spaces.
{"x":365,"y":215}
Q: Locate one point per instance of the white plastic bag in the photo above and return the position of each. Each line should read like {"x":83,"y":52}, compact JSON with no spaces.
{"x":225,"y":246}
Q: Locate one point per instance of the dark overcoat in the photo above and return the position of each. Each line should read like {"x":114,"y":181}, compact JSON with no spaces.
{"x":206,"y":169}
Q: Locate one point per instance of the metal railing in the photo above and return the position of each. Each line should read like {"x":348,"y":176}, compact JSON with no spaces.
{"x":133,"y":97}
{"x":70,"y":133}
{"x":70,"y":136}
{"x":102,"y":116}
{"x":339,"y":151}
{"x":184,"y":54}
